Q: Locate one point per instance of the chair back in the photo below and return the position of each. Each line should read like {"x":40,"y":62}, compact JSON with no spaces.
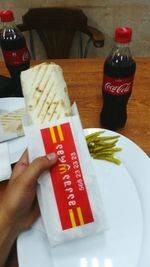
{"x":56,"y":28}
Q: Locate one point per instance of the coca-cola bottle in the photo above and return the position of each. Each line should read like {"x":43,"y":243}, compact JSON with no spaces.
{"x":14,"y":48}
{"x":119,"y":70}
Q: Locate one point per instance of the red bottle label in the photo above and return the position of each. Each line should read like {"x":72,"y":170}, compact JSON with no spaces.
{"x":116,"y":86}
{"x":67,"y":179}
{"x":16,"y":57}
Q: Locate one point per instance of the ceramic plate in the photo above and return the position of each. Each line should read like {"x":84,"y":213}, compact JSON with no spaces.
{"x":126,"y":198}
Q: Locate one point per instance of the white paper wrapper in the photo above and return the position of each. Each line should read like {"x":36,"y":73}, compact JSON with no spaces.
{"x":68,"y":195}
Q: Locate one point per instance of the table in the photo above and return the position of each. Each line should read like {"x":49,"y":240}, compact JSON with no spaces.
{"x":84,"y":80}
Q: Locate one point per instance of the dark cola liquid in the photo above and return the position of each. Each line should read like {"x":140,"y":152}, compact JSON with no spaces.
{"x":10,"y":43}
{"x":114,"y":112}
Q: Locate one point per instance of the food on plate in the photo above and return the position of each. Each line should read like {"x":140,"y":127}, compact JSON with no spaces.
{"x":45,"y":92}
{"x":103,"y":147}
{"x":11,"y":123}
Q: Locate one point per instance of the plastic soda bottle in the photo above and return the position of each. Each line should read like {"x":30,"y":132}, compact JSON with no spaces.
{"x":14,"y":48}
{"x":119,"y":70}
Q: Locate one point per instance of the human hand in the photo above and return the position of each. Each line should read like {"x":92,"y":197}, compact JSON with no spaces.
{"x":19,"y":205}
{"x":19,"y":208}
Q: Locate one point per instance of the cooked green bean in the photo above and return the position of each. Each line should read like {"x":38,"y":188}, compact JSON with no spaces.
{"x":112,"y":159}
{"x":102,"y":143}
{"x":94,"y":134}
{"x":109,"y":137}
{"x":103,"y":147}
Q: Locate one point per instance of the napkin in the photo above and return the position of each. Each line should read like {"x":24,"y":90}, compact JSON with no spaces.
{"x":5,"y":167}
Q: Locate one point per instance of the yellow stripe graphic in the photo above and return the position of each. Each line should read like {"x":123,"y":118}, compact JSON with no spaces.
{"x":53,"y":135}
{"x":72,"y":218}
{"x":80,"y":216}
{"x":60,"y":133}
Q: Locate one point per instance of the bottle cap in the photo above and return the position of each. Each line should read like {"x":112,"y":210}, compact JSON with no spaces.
{"x":6,"y":16}
{"x":123,"y":35}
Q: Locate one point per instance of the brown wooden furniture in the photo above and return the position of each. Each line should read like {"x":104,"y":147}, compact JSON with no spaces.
{"x":84,"y":79}
{"x":56,"y":28}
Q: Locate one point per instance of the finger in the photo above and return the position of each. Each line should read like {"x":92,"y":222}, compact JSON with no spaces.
{"x":36,"y":168}
{"x":21,"y":165}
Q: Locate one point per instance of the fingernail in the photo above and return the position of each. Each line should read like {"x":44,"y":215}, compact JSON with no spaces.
{"x":51,"y":156}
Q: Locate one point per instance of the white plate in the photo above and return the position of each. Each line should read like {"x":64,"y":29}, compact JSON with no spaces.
{"x":125,"y":193}
{"x":18,"y":145}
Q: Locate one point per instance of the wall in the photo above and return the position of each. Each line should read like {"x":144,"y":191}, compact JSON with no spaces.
{"x":105,"y":15}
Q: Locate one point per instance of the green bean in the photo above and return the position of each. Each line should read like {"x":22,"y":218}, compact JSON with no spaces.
{"x":112,"y":150}
{"x":105,"y":143}
{"x":109,"y":137}
{"x":94,"y":134}
{"x":108,"y":153}
{"x":111,"y":159}
{"x":103,"y":147}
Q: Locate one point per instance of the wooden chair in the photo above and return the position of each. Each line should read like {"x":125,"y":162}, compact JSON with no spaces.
{"x":56,"y":28}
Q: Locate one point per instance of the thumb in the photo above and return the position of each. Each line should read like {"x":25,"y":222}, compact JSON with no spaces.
{"x":37,"y":167}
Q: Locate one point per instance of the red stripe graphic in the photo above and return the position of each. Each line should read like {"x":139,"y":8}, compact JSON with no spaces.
{"x":67,"y":179}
